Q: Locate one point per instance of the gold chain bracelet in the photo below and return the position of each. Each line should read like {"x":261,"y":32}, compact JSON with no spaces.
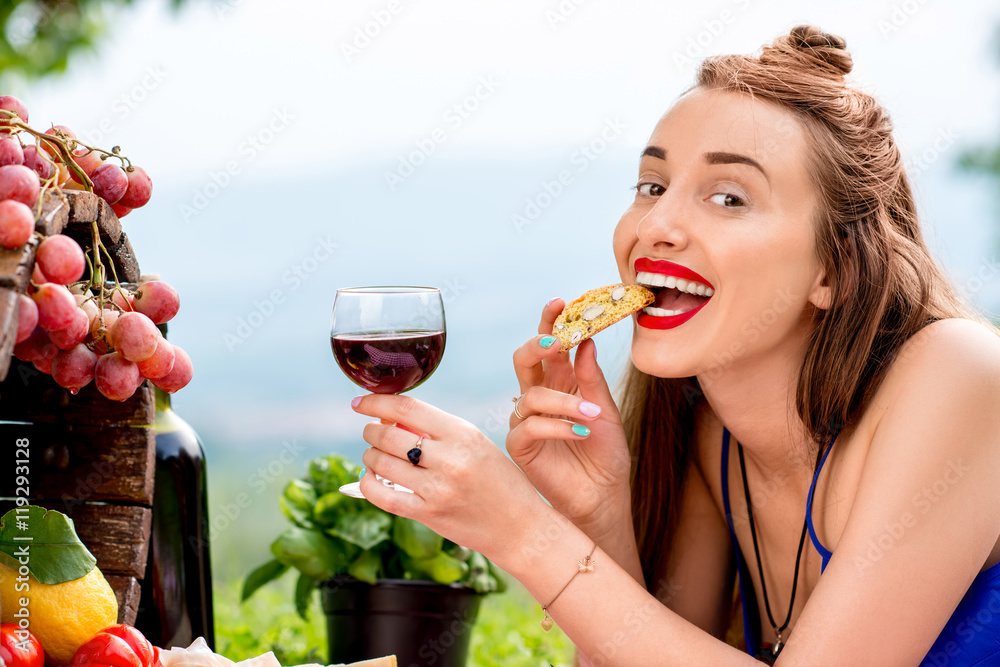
{"x":586,"y":564}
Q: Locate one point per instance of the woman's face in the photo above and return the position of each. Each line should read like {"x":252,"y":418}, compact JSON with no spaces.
{"x":722,"y":228}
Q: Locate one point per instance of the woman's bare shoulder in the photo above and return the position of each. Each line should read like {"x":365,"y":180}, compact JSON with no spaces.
{"x":947,"y":350}
{"x":952,"y":362}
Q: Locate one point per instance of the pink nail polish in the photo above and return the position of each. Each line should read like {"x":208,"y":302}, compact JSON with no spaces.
{"x":356,"y":401}
{"x":590,"y":409}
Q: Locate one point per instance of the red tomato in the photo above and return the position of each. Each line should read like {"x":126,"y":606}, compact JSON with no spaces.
{"x":118,"y":646}
{"x":19,"y":648}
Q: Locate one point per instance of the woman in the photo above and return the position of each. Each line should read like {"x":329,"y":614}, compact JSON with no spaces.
{"x":831,"y":385}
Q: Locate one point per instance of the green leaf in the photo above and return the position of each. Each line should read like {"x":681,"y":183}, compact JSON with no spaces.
{"x":266,"y":573}
{"x":416,"y":539}
{"x":54,"y":553}
{"x":310,"y":552}
{"x":303,"y":593}
{"x":329,"y":473}
{"x":297,"y":502}
{"x":294,"y":514}
{"x":329,"y":507}
{"x":441,"y":568}
{"x":366,"y":567}
{"x":300,"y":494}
{"x":365,"y":528}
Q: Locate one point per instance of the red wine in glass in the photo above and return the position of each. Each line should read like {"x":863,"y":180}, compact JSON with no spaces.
{"x":388,"y":362}
{"x":387,"y":340}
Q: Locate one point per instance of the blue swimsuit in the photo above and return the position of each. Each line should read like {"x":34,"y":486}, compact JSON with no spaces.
{"x":970,"y":638}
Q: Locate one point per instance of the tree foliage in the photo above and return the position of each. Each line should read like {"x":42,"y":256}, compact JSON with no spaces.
{"x":39,"y":37}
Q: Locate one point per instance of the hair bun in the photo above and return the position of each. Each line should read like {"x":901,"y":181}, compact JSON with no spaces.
{"x":828,"y":51}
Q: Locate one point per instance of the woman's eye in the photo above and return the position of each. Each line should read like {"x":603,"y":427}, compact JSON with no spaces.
{"x":727,"y":200}
{"x":650,"y":189}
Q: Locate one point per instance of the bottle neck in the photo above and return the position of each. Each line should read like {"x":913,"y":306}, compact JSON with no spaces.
{"x":162,"y":400}
{"x":166,"y":419}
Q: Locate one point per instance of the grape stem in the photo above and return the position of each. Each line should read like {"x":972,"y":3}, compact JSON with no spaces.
{"x":65,"y":146}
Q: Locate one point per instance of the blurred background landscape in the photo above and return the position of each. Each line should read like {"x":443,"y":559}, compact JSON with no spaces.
{"x":302,"y":146}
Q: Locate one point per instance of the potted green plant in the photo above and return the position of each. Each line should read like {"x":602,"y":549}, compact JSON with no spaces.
{"x":389,"y":585}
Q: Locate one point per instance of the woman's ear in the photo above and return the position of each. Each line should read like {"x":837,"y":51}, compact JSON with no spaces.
{"x":821,"y":294}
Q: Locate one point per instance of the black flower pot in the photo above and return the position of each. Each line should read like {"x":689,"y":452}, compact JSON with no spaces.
{"x":422,"y":623}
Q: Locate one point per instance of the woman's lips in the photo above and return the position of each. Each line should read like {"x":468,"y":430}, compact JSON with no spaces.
{"x":681,"y":293}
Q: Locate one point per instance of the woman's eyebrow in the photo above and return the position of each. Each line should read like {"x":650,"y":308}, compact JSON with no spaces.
{"x":734,"y":158}
{"x":653,"y":151}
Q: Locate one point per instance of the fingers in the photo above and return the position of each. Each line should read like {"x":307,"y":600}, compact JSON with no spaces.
{"x":529,"y":357}
{"x":525,"y":436}
{"x":549,"y":314}
{"x":591,"y":381}
{"x":416,"y":415}
{"x":394,"y":441}
{"x":389,"y":499}
{"x":544,"y":401}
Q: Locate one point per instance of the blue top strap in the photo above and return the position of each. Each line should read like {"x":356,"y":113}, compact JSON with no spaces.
{"x":823,"y":551}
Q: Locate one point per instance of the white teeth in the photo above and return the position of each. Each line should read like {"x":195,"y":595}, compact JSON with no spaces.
{"x":650,"y":279}
{"x":660,"y":312}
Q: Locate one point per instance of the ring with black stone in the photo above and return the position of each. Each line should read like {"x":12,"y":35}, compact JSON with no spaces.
{"x":414,"y":454}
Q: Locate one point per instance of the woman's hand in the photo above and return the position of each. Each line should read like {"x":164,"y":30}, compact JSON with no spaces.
{"x":464,"y":487}
{"x":584,"y":476}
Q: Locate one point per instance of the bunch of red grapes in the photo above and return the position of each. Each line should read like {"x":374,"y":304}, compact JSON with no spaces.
{"x":81,"y":330}
{"x":26,"y":169}
{"x":67,"y":335}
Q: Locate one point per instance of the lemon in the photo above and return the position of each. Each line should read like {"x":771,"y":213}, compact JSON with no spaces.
{"x":63,"y":616}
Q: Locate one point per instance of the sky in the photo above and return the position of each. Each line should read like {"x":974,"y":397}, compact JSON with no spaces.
{"x":306,"y":145}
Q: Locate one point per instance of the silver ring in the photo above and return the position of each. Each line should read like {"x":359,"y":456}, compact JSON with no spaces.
{"x":517,"y":413}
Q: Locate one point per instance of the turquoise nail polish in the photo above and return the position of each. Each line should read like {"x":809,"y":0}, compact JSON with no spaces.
{"x":547,"y":341}
{"x":580,"y":429}
{"x":362,"y":473}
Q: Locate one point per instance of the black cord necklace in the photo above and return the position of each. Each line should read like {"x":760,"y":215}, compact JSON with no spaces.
{"x":767,"y":652}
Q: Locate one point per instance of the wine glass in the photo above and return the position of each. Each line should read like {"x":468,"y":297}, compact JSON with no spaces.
{"x":387,"y":340}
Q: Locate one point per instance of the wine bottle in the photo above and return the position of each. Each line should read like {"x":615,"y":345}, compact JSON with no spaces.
{"x":176,"y":603}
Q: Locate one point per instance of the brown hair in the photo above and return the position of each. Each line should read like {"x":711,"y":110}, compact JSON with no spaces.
{"x":884,"y":283}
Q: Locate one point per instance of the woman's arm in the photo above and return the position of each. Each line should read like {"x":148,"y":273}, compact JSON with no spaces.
{"x":468,"y":491}
{"x":939,"y":425}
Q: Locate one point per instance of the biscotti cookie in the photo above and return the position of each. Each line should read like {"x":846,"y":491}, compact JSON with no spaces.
{"x":597,"y":309}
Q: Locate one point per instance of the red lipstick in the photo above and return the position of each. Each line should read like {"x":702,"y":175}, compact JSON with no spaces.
{"x":664,"y":267}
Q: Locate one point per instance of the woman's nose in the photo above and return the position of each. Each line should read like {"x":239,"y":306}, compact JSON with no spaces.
{"x":664,"y":226}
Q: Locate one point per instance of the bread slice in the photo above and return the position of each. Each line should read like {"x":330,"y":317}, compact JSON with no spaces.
{"x":597,"y":309}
